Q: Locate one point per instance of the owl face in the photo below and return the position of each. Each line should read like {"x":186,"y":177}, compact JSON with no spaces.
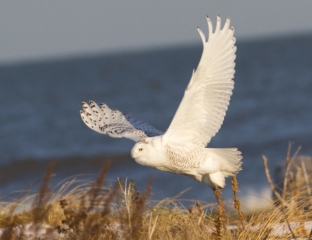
{"x":142,"y":152}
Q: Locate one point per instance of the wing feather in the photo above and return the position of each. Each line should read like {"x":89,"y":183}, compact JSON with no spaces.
{"x":206,"y":98}
{"x":104,"y":120}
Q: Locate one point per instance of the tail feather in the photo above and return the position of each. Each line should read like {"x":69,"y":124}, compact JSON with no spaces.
{"x":230,"y":159}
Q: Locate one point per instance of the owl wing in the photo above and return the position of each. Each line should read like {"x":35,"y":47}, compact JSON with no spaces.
{"x":104,"y":120}
{"x":206,"y":98}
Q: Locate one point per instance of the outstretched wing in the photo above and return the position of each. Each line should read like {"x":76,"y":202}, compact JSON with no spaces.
{"x":104,"y":120}
{"x":206,"y":99}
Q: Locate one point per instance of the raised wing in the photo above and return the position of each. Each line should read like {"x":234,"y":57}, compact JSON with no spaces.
{"x":206,"y":98}
{"x":104,"y":120}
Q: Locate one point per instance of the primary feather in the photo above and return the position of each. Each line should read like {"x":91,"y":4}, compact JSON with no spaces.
{"x":114,"y":123}
{"x":206,"y":99}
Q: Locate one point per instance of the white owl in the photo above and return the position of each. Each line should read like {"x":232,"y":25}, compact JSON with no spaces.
{"x":182,"y":148}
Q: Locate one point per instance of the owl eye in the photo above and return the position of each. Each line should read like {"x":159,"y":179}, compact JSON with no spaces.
{"x":140,"y":149}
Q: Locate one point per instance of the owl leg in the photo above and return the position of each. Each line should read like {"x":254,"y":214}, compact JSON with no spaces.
{"x":217,"y":179}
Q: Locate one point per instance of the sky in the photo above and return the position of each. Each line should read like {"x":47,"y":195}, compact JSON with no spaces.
{"x":36,"y":30}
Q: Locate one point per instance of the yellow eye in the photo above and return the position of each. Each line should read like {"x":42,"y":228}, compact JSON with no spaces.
{"x":140,"y":149}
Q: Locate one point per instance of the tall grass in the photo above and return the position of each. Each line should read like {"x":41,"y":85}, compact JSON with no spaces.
{"x":96,"y":210}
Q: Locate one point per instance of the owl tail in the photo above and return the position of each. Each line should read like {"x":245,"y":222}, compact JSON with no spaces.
{"x":230,"y":158}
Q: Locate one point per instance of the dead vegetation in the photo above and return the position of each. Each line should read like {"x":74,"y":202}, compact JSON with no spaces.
{"x":96,"y":210}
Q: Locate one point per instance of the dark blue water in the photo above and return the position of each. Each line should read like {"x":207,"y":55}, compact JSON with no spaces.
{"x":271,"y":105}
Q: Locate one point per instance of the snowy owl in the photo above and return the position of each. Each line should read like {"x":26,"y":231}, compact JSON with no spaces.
{"x":182,"y":148}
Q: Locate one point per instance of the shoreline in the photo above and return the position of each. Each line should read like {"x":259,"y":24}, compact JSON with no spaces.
{"x":20,"y":174}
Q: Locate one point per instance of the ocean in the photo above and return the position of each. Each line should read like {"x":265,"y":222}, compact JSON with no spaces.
{"x":271,"y":106}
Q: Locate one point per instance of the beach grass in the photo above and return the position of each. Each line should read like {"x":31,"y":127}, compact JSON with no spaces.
{"x":96,"y":210}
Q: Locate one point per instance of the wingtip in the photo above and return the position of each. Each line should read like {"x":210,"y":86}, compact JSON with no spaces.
{"x":202,"y":35}
{"x":84,"y":104}
{"x":218,"y":19}
{"x":92,"y":103}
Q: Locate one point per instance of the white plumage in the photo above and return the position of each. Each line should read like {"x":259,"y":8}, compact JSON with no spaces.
{"x":182,"y":148}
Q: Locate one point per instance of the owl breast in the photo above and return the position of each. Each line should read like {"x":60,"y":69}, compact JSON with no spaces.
{"x":184,"y":157}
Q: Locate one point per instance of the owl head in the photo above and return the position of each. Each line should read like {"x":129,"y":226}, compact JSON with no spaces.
{"x":144,"y":152}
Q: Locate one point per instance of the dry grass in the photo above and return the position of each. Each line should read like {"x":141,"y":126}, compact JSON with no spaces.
{"x":93,"y":210}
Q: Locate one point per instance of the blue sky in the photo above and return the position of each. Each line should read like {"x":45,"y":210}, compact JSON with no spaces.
{"x":36,"y":29}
